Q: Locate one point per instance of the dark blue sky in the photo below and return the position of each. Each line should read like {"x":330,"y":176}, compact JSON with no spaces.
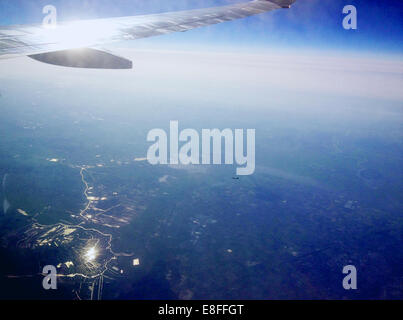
{"x":310,"y":24}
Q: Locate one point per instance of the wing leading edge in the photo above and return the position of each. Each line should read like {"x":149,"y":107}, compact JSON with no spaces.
{"x":39,"y":41}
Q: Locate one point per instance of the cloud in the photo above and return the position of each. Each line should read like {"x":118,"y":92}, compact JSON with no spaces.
{"x":250,"y":79}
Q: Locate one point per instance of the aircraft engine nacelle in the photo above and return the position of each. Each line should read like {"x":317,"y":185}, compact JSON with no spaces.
{"x":84,"y":58}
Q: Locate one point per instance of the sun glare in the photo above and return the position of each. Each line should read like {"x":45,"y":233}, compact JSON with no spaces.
{"x":91,"y":254}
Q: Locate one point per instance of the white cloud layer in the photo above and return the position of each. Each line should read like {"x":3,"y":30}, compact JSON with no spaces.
{"x":247,"y":78}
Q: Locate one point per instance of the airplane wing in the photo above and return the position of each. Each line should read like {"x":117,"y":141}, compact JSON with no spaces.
{"x":55,"y":45}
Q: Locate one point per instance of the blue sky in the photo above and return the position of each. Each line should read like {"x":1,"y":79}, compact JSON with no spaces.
{"x":310,"y":24}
